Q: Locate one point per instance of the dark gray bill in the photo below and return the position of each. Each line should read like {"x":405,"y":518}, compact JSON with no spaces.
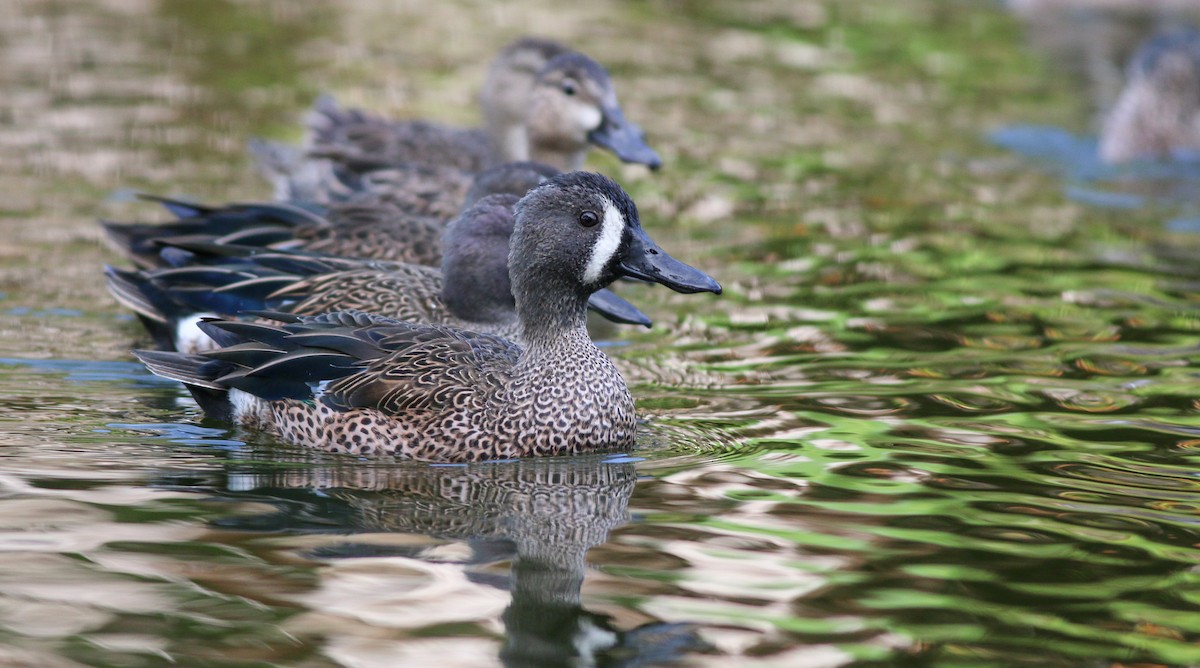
{"x":645,"y":260}
{"x":608,"y":304}
{"x":623,"y":138}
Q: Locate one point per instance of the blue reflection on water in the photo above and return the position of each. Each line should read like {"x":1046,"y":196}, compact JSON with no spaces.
{"x":1091,"y":181}
{"x":1075,"y":157}
{"x":43,"y":312}
{"x":90,"y":370}
{"x":183,"y":434}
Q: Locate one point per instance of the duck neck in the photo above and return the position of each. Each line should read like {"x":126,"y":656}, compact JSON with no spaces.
{"x":564,"y":158}
{"x":510,"y":142}
{"x":551,"y":314}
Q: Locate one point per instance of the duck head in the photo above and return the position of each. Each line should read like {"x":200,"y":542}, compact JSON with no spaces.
{"x":573,"y":105}
{"x":475,"y":280}
{"x":575,"y":234}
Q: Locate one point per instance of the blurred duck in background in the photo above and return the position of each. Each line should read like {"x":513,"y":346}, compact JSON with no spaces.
{"x":1135,"y":60}
{"x":1157,"y":115}
{"x":540,"y":101}
{"x":382,"y":221}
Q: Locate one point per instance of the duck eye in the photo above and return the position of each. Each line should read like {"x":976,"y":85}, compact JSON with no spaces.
{"x":588,"y":219}
{"x":568,"y":88}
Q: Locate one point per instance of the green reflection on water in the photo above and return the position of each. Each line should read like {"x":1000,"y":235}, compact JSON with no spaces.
{"x":940,"y":416}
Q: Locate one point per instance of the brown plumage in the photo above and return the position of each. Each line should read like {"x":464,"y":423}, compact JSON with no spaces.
{"x":471,"y":290}
{"x":541,"y":101}
{"x":379,"y":222}
{"x":353,"y":382}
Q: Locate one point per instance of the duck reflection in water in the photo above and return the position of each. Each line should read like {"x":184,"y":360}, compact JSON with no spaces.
{"x":543,"y":515}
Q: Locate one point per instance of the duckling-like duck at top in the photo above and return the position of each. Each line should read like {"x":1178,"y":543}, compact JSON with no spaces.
{"x":1158,"y":112}
{"x":352,"y":382}
{"x":541,"y":101}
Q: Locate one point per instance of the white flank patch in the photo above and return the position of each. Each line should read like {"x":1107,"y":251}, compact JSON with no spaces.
{"x":244,"y":404}
{"x":189,"y":338}
{"x":607,"y":243}
{"x":318,"y":389}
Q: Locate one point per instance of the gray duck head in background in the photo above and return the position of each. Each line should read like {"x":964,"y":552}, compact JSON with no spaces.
{"x":1158,"y":112}
{"x":545,"y":102}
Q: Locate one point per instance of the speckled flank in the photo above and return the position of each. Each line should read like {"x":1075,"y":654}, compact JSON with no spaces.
{"x":577,"y":404}
{"x":361,"y":139}
{"x":405,"y":292}
{"x":372,"y":230}
{"x":530,"y":417}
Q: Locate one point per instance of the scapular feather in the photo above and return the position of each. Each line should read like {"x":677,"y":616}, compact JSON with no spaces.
{"x":345,"y":343}
{"x":230,"y":332}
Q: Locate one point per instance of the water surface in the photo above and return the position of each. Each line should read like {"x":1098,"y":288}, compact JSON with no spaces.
{"x":945,"y":414}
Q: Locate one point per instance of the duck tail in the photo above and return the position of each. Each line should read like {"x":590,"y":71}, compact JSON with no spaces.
{"x":327,"y":117}
{"x":170,"y":302}
{"x":138,"y":293}
{"x":252,"y":224}
{"x":154,"y":307}
{"x":138,"y":241}
{"x":135,"y":241}
{"x":294,"y":175}
{"x":197,"y":373}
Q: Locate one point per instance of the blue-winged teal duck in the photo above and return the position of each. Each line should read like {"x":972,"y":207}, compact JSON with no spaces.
{"x":471,"y":290}
{"x":1158,"y":112}
{"x":541,"y":101}
{"x":371,"y":224}
{"x":353,"y":382}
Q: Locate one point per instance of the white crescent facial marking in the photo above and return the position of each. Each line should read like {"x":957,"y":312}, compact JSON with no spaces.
{"x":588,"y":117}
{"x":612,"y":229}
